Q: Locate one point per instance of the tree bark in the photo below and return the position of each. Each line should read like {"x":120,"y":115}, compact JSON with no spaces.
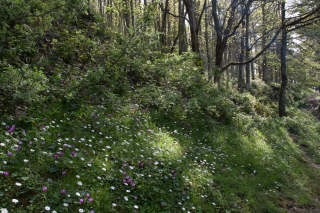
{"x":284,"y":78}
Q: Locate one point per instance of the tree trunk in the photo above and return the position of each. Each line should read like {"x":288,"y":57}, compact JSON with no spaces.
{"x":264,"y":60}
{"x":182,"y":30}
{"x":163,"y":39}
{"x":247,"y":51}
{"x":284,"y":78}
{"x":191,"y":10}
{"x":207,"y":45}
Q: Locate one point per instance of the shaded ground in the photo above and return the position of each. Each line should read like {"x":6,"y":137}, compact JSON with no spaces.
{"x":312,"y":106}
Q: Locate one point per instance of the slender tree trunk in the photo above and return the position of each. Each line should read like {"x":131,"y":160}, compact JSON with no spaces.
{"x":284,"y":78}
{"x":182,"y":30}
{"x":264,"y":60}
{"x":163,"y":39}
{"x":247,"y":51}
{"x":241,"y":59}
{"x":207,"y":45}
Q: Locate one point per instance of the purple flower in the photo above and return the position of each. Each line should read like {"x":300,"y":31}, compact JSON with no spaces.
{"x":61,"y":154}
{"x":30,"y":143}
{"x":91,"y":211}
{"x":63,"y":191}
{"x":81,"y":201}
{"x":64,"y":172}
{"x":90,"y":199}
{"x":58,"y":134}
{"x":6,"y":174}
{"x":44,"y":189}
{"x":9,"y":153}
{"x":87,"y":195}
{"x":124,"y":180}
{"x":124,"y":173}
{"x":43,"y":143}
{"x":135,"y":197}
{"x":7,"y":127}
{"x":56,"y":156}
{"x":133,"y":184}
{"x":20,"y":142}
{"x":11,"y":129}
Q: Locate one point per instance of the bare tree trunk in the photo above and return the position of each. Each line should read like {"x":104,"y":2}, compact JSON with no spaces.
{"x":241,"y":59}
{"x":163,"y":39}
{"x":247,"y":50}
{"x":207,"y":46}
{"x":264,"y":60}
{"x":191,"y":10}
{"x":284,"y":78}
{"x":182,"y":30}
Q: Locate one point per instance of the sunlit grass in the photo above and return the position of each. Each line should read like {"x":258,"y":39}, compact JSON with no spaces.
{"x":98,"y":160}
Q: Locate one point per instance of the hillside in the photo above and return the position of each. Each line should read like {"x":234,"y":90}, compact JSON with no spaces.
{"x":94,"y":121}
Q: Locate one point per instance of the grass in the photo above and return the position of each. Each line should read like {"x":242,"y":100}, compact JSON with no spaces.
{"x":127,"y":160}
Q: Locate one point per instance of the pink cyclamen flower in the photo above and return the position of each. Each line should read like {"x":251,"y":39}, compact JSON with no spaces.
{"x":11,"y":129}
{"x":44,"y":189}
{"x":6,"y":174}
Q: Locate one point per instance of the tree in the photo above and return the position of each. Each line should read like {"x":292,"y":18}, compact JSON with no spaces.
{"x":284,"y":78}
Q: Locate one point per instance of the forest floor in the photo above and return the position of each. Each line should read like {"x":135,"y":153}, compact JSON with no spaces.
{"x":312,"y":106}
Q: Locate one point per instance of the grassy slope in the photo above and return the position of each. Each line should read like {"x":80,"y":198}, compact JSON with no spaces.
{"x":261,"y":167}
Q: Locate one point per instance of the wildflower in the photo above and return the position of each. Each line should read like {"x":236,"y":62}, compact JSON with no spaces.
{"x":44,"y":189}
{"x":79,"y":183}
{"x":90,"y":199}
{"x":81,"y":200}
{"x":25,"y":160}
{"x":18,"y":184}
{"x":112,"y":187}
{"x":81,"y":210}
{"x":65,"y":204}
{"x":6,"y":174}
{"x":64,"y":172}
{"x":47,"y":208}
{"x":91,"y":211}
{"x":114,"y":205}
{"x":11,"y":129}
{"x":126,"y":198}
{"x":4,"y":210}
{"x":15,"y":201}
{"x":87,"y":195}
{"x":63,"y":191}
{"x":135,"y":206}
